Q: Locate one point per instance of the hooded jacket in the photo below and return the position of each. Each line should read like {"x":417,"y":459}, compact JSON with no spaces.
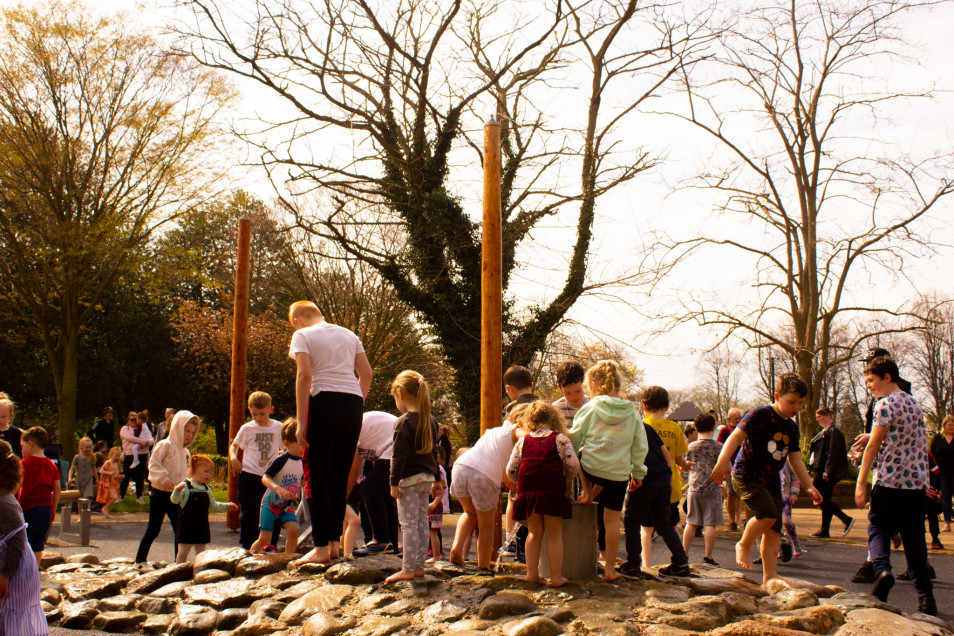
{"x":169,"y":463}
{"x":612,"y":441}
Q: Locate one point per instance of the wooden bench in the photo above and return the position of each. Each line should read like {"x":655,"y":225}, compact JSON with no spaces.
{"x":79,"y":535}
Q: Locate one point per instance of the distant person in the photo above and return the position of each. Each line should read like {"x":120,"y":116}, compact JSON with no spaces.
{"x":704,"y":499}
{"x":282,"y":478}
{"x":162,"y":428}
{"x":790,"y":488}
{"x":828,"y":463}
{"x":108,"y":493}
{"x":734,"y":507}
{"x":83,"y":470}
{"x":136,"y":440}
{"x":375,"y":445}
{"x":260,"y":441}
{"x":767,"y":438}
{"x":102,"y":429}
{"x":40,"y":488}
{"x":195,"y":499}
{"x":942,"y":448}
{"x":899,"y":442}
{"x":8,"y":432}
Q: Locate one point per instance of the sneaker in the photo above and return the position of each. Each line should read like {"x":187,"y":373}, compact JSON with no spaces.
{"x":882,"y":585}
{"x":269,"y":549}
{"x":932,"y":572}
{"x":757,"y":561}
{"x":675,"y":570}
{"x":937,"y":545}
{"x":510,"y":549}
{"x":733,"y":527}
{"x":848,"y":527}
{"x":821,"y":534}
{"x":629,"y":571}
{"x":372,"y":548}
{"x":135,"y":461}
{"x":927,"y":605}
{"x":140,"y":501}
{"x":865,"y":573}
{"x":786,"y":550}
{"x":709,"y":561}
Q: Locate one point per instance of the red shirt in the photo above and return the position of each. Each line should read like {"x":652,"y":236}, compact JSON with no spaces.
{"x":39,"y":476}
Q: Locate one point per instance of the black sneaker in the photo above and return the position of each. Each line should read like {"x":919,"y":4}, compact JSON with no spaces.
{"x":372,"y":548}
{"x":820,"y":535}
{"x":675,"y":570}
{"x":629,"y":571}
{"x":865,"y":573}
{"x":786,"y":550}
{"x":927,"y":605}
{"x":848,"y":526}
{"x":709,"y":561}
{"x":882,"y":585}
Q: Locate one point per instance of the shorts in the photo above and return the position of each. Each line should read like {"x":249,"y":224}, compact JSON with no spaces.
{"x":764,"y":501}
{"x":38,"y":523}
{"x":482,"y":490}
{"x":613,"y":493}
{"x":729,"y":488}
{"x":705,"y":507}
{"x":435,"y":520}
{"x":272,"y":511}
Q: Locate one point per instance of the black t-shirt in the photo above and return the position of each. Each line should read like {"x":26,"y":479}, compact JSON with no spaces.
{"x":12,"y":437}
{"x":102,"y":431}
{"x":656,"y":465}
{"x":766,"y":449}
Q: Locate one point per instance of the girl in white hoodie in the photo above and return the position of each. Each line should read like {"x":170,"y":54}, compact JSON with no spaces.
{"x":168,"y":466}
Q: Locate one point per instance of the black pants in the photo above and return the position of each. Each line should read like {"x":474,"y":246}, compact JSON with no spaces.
{"x":931,"y":509}
{"x":649,"y":506}
{"x":137,"y":475}
{"x":828,"y":507}
{"x":896,"y":511}
{"x":380,"y":506}
{"x":160,"y":506}
{"x":250,"y":493}
{"x":334,"y":424}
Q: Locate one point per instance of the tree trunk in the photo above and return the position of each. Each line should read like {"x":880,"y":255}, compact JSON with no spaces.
{"x":66,"y":396}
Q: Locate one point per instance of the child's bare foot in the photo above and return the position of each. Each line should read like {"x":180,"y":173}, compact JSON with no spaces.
{"x":312,"y":557}
{"x":612,"y":575}
{"x":430,"y":560}
{"x":558,"y":581}
{"x":455,"y":558}
{"x":539,"y":580}
{"x":107,"y":515}
{"x":742,"y":557}
{"x":586,"y":497}
{"x":402,"y":575}
{"x":419,"y":572}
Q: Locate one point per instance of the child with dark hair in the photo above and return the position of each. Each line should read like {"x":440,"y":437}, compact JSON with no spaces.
{"x":768,"y":438}
{"x":899,"y":442}
{"x":40,"y":490}
{"x":704,"y":501}
{"x":283,"y":480}
{"x":569,"y":378}
{"x":20,"y":610}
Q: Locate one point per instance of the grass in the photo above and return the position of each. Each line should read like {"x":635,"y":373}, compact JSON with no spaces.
{"x":129,"y":503}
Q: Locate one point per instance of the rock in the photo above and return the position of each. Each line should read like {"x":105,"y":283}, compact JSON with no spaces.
{"x":701,"y":613}
{"x":67,"y":568}
{"x":562,"y":615}
{"x":510,"y":583}
{"x":469,"y":590}
{"x":656,"y":630}
{"x":533,"y":626}
{"x":121,"y":603}
{"x":442,"y":612}
{"x":193,"y":620}
{"x":151,"y":581}
{"x":835,"y":589}
{"x":119,"y":622}
{"x":93,"y":587}
{"x":51,"y":596}
{"x":84,"y":557}
{"x":325,"y":624}
{"x":297,"y":590}
{"x":787,"y":599}
{"x":50,"y":558}
{"x":586,"y":608}
{"x":266,"y":607}
{"x":817,"y":620}
{"x":78,"y":615}
{"x":667,"y":594}
{"x":226,"y":594}
{"x":375,"y":601}
{"x":286,"y":579}
{"x":226,"y":559}
{"x":380,"y":626}
{"x":876,"y":622}
{"x":258,"y":626}
{"x":367,"y":570}
{"x":402,"y":607}
{"x":258,"y":565}
{"x":755,"y":628}
{"x":157,"y":624}
{"x":931,"y":620}
{"x":718,"y":586}
{"x":119,"y":561}
{"x":210,"y":576}
{"x":53,"y":614}
{"x":849,"y":601}
{"x":173,"y":590}
{"x":152,"y":605}
{"x":505,"y":604}
{"x":780,"y":583}
{"x":322,"y":599}
{"x":739,"y":604}
{"x":232,"y":618}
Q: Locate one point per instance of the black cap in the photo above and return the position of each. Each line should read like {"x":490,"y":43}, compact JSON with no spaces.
{"x":875,"y":352}
{"x":108,"y":409}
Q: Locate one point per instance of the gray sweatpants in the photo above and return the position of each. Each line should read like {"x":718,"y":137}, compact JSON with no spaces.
{"x":415,"y":533}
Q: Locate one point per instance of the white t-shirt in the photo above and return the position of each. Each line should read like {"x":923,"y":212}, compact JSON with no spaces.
{"x":490,"y":454}
{"x":332,"y":350}
{"x":260,"y":445}
{"x":377,"y":435}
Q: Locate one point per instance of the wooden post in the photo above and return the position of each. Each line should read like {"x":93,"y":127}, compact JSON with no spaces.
{"x":239,"y":351}
{"x":491,"y":285}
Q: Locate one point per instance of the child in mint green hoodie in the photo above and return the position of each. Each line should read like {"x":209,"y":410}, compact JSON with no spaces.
{"x":611,"y":443}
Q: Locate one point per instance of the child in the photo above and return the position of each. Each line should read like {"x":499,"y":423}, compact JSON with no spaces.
{"x":790,"y":488}
{"x":283,"y":480}
{"x":167,"y":467}
{"x":655,"y":401}
{"x":569,"y":377}
{"x":20,"y":610}
{"x":766,"y":438}
{"x":8,"y":432}
{"x":83,"y":470}
{"x":899,"y":441}
{"x":543,"y":464}
{"x":611,"y":444}
{"x":435,"y":512}
{"x":518,"y":384}
{"x":415,"y":470}
{"x":259,"y":441}
{"x":40,"y":490}
{"x":109,"y":481}
{"x":194,"y":498}
{"x":705,"y":496}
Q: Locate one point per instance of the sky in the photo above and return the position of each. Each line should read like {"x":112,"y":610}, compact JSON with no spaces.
{"x":653,"y":203}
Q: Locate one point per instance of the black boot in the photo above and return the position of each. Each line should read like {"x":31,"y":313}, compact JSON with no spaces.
{"x":865,"y":573}
{"x":882,"y":585}
{"x":927,"y":605}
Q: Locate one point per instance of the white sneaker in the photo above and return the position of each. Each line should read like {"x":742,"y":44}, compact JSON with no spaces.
{"x":140,"y":501}
{"x":135,"y":461}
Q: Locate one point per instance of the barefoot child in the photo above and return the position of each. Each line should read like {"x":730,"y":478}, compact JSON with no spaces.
{"x":108,"y":493}
{"x":83,"y":471}
{"x":283,"y":480}
{"x":767,"y":438}
{"x":543,"y":465}
{"x":20,"y":610}
{"x":415,"y":469}
{"x":611,"y":443}
{"x":194,"y":497}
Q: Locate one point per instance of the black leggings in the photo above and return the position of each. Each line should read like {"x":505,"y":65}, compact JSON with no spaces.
{"x":334,"y":423}
{"x":137,"y":475}
{"x":160,"y":505}
{"x":828,"y":507}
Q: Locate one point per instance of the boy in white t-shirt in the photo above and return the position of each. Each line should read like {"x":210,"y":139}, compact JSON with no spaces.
{"x":259,"y":442}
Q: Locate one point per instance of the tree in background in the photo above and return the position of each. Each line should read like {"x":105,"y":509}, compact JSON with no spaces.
{"x":932,"y":357}
{"x":103,"y":135}
{"x":720,"y":373}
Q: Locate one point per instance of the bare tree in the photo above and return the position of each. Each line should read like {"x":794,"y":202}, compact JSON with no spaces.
{"x":785,"y":94}
{"x":721,"y":374}
{"x":932,"y":357}
{"x":102,"y":136}
{"x":396,"y":82}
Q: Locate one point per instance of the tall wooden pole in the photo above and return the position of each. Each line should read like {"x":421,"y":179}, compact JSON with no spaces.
{"x":491,"y":285}
{"x":239,"y":351}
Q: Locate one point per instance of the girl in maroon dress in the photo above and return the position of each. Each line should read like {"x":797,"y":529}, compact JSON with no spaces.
{"x":543,"y":464}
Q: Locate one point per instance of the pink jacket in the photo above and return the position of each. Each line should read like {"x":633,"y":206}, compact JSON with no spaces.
{"x":128,"y":436}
